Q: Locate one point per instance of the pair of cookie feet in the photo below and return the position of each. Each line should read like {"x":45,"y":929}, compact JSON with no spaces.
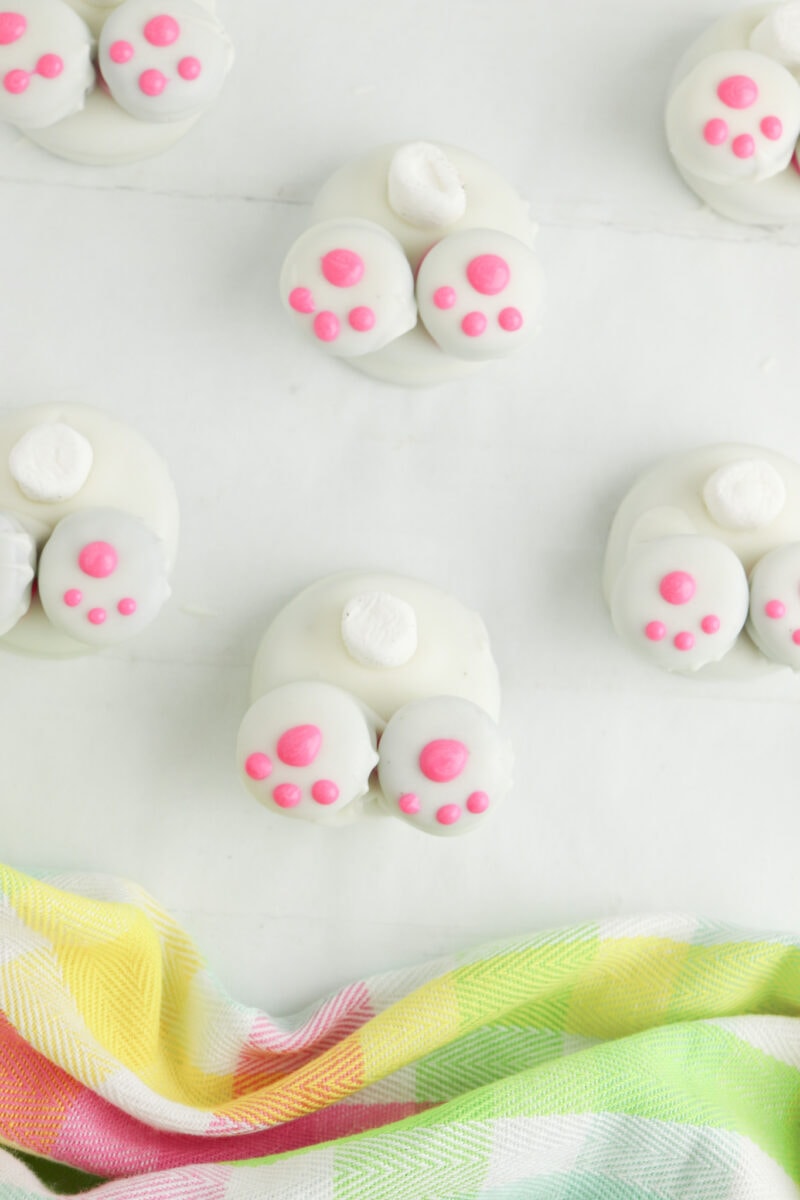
{"x":159,"y":64}
{"x":101,"y":577}
{"x":315,"y":752}
{"x":349,"y":287}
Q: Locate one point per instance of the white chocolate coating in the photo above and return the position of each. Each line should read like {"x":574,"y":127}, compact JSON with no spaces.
{"x":45,"y":63}
{"x":774,"y":621}
{"x":778,"y":35}
{"x":17,"y":570}
{"x":51,"y":463}
{"x":444,"y":766}
{"x":307,"y":750}
{"x":379,"y":630}
{"x":424,"y":187}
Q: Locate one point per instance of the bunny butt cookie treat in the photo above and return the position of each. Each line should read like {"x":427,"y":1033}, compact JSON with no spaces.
{"x":418,"y":266}
{"x":703,"y":563}
{"x":88,"y":509}
{"x":110,"y":82}
{"x":733,"y":115}
{"x":364,"y":660}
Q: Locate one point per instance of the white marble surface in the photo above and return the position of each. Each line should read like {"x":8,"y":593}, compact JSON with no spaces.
{"x":150,"y":291}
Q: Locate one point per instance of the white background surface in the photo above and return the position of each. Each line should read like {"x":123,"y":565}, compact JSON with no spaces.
{"x":150,"y":291}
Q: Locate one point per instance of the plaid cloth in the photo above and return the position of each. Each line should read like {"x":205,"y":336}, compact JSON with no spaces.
{"x":623,"y":1060}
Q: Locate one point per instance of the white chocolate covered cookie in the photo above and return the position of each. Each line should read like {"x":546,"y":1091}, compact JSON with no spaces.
{"x":774,"y":621}
{"x":17,"y":571}
{"x":45,"y":63}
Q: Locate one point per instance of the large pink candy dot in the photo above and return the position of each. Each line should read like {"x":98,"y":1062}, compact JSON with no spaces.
{"x":510,"y":319}
{"x":72,"y":598}
{"x":775,"y":609}
{"x":684,"y":641}
{"x":443,"y":760}
{"x":488,"y":274}
{"x":343,"y":268}
{"x":97,"y":616}
{"x":743,"y":146}
{"x":50,"y":66}
{"x":299,"y":746}
{"x":325,"y":791}
{"x":98,"y":559}
{"x":656,"y":631}
{"x":796,"y":637}
{"x":326,"y":326}
{"x":362,"y":319}
{"x":478,"y":802}
{"x":258,"y":766}
{"x":120,"y":52}
{"x":127,"y":607}
{"x":474,"y":324}
{"x":448,"y":814}
{"x":286,"y":795}
{"x":678,"y":587}
{"x":162,"y":31}
{"x":152,"y":82}
{"x":189,"y":68}
{"x":301,"y":300}
{"x":409,"y":804}
{"x":738,"y":91}
{"x":12,"y":27}
{"x":444,"y":297}
{"x":715,"y":131}
{"x":772,"y":128}
{"x":710,"y":624}
{"x":16,"y":82}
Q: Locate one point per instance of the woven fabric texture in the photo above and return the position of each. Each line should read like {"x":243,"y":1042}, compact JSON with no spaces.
{"x":623,"y":1060}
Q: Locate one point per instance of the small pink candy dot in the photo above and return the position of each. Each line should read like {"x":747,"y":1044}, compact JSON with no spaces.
{"x":326,"y":326}
{"x":189,"y":68}
{"x":710,"y":624}
{"x":286,"y":795}
{"x":73,"y":597}
{"x":301,"y":300}
{"x":796,"y":637}
{"x":684,"y":641}
{"x":443,"y":760}
{"x":343,"y":268}
{"x":300,"y":745}
{"x":16,"y":82}
{"x":12,"y":27}
{"x":444,"y":297}
{"x":744,"y":146}
{"x":121,"y":52}
{"x":738,"y":91}
{"x":98,"y":559}
{"x":775,"y":609}
{"x":474,"y":324}
{"x":448,"y":814}
{"x":488,"y":274}
{"x":50,"y":66}
{"x":656,"y":631}
{"x":325,"y":791}
{"x":258,"y":766}
{"x":127,"y":607}
{"x":716,"y":131}
{"x":772,"y":128}
{"x":678,"y":587}
{"x":478,"y":802}
{"x":362,"y":319}
{"x":510,"y":319}
{"x":409,"y":804}
{"x":97,"y":616}
{"x":152,"y":82}
{"x":162,"y":31}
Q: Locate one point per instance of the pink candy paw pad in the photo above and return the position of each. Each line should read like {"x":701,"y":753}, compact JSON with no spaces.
{"x":296,"y":747}
{"x":479,"y":294}
{"x":678,"y":588}
{"x":98,"y":560}
{"x":349,"y":287}
{"x":45,"y":63}
{"x":442,"y":761}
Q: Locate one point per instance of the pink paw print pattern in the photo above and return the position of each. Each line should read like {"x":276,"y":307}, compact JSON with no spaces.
{"x":735,"y":117}
{"x":774,"y":620}
{"x":444,"y":766}
{"x":479,"y":294}
{"x":164,"y":63}
{"x":102,"y":576}
{"x":681,"y":601}
{"x":307,"y":750}
{"x":349,"y":287}
{"x":45,"y":63}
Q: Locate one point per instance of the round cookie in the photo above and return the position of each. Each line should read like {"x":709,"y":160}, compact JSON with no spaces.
{"x":774,"y":620}
{"x":17,"y":571}
{"x":46,"y":70}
